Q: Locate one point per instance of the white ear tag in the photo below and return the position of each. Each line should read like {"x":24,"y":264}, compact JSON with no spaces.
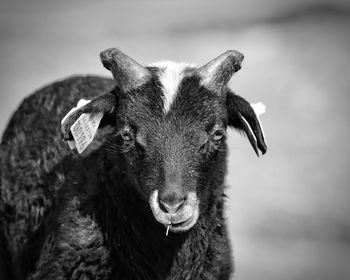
{"x":84,"y":130}
{"x":81,"y":103}
{"x":259,"y":109}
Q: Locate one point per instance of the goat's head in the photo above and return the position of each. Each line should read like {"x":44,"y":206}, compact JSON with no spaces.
{"x":170,"y":121}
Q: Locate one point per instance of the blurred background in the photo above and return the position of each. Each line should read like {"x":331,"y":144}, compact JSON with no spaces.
{"x":288,"y":211}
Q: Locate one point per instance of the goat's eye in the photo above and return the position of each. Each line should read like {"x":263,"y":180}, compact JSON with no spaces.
{"x":218,"y":135}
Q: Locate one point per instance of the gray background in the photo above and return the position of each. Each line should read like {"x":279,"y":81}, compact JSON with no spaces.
{"x":288,"y":211}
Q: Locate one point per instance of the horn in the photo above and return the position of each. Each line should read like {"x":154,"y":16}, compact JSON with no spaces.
{"x":217,"y":73}
{"x":127,"y":72}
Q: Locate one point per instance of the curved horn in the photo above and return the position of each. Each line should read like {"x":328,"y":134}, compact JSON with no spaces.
{"x":217,"y":73}
{"x":127,"y":72}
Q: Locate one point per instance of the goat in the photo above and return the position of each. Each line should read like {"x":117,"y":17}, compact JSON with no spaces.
{"x":146,"y":199}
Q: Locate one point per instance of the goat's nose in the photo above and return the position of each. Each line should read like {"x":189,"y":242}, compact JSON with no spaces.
{"x":171,"y":201}
{"x":171,"y":207}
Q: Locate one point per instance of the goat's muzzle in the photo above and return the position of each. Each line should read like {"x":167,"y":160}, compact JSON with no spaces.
{"x":181,"y":215}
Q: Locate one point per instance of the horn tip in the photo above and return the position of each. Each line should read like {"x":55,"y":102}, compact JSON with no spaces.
{"x":109,"y":54}
{"x":236,"y":55}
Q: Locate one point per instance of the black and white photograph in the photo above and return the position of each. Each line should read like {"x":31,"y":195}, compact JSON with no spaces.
{"x":175,"y":140}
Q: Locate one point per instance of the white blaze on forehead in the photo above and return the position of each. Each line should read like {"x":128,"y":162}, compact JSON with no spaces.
{"x":170,"y":77}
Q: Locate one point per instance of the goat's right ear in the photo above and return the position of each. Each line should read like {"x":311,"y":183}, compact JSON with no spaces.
{"x":242,"y":116}
{"x":96,"y":113}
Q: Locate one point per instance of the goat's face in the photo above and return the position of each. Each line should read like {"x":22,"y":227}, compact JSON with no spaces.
{"x":172,"y":149}
{"x":171,"y":122}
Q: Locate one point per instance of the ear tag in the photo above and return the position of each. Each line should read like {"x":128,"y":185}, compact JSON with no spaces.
{"x":84,"y":130}
{"x":80,"y":103}
{"x":259,"y":109}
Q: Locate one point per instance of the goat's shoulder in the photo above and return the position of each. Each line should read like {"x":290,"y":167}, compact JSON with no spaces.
{"x":74,"y":246}
{"x":75,"y":242}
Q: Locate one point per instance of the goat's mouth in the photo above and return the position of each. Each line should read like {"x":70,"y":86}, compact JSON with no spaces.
{"x":184,"y":225}
{"x":182,"y":220}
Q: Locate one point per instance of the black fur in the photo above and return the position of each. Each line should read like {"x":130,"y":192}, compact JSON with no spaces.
{"x":66,"y":216}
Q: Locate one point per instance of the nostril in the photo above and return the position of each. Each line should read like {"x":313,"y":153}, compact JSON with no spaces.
{"x":171,"y":206}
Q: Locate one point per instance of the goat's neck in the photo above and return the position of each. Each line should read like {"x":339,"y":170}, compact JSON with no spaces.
{"x":138,"y":240}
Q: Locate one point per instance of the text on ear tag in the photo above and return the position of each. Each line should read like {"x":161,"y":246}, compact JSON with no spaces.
{"x":84,"y":130}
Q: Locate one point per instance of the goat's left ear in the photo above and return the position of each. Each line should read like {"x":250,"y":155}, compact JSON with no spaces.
{"x":242,"y":116}
{"x":79,"y":126}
